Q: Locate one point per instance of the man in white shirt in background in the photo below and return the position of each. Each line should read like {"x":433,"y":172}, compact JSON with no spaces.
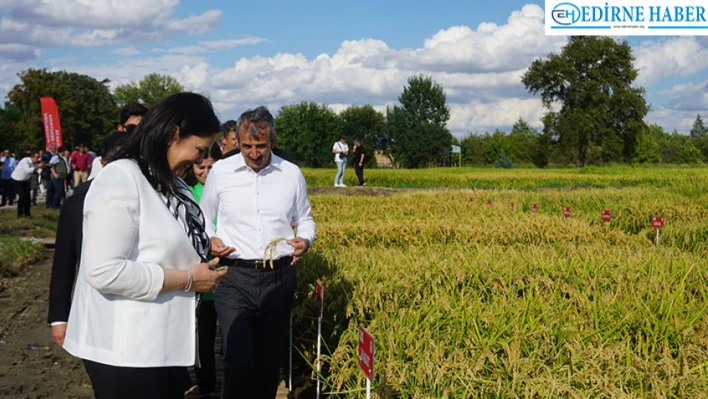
{"x":21,"y":180}
{"x":257,"y":195}
{"x":340,"y":150}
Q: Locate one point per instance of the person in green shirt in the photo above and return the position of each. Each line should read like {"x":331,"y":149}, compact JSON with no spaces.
{"x":206,"y":313}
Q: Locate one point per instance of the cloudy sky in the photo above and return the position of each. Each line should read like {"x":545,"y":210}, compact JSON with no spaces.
{"x":244,"y":54}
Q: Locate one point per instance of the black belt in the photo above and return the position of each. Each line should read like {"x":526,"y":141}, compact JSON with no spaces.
{"x":257,"y":264}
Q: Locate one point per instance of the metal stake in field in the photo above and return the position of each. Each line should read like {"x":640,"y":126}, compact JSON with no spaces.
{"x":657,"y":222}
{"x":319,"y":301}
{"x":366,"y":357}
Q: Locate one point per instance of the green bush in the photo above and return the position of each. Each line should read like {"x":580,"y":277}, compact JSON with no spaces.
{"x":503,"y":161}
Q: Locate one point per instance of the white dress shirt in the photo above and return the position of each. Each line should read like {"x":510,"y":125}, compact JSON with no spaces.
{"x":96,"y":167}
{"x":118,"y":315}
{"x":23,"y":171}
{"x":256,"y":208}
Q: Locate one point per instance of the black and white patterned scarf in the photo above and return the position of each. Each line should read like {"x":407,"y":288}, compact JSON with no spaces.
{"x":183,"y":207}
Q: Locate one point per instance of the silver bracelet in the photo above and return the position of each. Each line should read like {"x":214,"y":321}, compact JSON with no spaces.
{"x":188,"y":287}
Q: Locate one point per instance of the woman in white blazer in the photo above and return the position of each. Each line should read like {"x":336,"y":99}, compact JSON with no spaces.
{"x":143,"y":257}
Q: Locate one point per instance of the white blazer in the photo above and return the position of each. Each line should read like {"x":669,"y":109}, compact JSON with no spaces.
{"x":118,"y":316}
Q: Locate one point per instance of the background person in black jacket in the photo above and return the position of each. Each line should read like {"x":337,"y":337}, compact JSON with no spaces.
{"x":67,"y":248}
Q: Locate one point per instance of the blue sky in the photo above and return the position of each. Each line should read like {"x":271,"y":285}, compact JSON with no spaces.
{"x":275,"y":53}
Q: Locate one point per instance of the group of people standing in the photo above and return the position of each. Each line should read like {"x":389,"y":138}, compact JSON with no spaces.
{"x":55,"y":171}
{"x":173,"y":239}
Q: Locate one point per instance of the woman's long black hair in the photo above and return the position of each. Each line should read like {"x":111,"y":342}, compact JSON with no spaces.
{"x":192,"y":113}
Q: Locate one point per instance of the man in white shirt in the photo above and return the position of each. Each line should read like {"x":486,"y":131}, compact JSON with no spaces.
{"x":340,"y":150}
{"x":257,"y":196}
{"x":21,"y":180}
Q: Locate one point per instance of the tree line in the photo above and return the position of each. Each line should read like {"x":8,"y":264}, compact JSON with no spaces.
{"x":595,"y":114}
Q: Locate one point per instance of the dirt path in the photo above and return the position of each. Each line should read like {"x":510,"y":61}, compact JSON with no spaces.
{"x":31,"y":365}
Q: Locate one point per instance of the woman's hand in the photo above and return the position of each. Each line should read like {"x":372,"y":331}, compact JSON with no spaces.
{"x":204,"y":277}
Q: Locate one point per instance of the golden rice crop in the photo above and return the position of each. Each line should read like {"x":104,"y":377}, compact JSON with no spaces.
{"x":471,"y":301}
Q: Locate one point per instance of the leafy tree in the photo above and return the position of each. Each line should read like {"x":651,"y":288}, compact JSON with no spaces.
{"x":699,"y":129}
{"x":592,"y":80}
{"x":85,"y":105}
{"x":541,"y":150}
{"x":472,"y":150}
{"x":307,"y":131}
{"x":366,"y":124}
{"x":148,"y":91}
{"x":10,"y":116}
{"x":647,"y":150}
{"x":494,"y":145}
{"x":520,"y":141}
{"x":419,"y":136}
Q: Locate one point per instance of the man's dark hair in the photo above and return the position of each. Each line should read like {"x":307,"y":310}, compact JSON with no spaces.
{"x":255,"y":120}
{"x":60,"y":149}
{"x":192,"y":113}
{"x":132,"y":109}
{"x":228,"y":126}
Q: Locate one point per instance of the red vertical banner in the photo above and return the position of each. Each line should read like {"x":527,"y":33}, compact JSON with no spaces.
{"x":50,"y":118}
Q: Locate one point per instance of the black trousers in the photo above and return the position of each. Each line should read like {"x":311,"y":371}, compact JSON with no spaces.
{"x":253,"y":307}
{"x":359,"y":173}
{"x":51,"y":189}
{"x":25,"y":200}
{"x":8,"y":191}
{"x":111,"y":382}
{"x":206,"y":374}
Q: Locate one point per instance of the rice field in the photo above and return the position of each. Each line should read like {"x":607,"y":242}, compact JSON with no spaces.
{"x":468,"y":300}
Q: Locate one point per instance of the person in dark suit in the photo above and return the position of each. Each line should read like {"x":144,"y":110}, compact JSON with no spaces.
{"x":67,"y":252}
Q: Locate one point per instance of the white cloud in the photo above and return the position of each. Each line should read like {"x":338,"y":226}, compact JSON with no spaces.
{"x":195,"y":25}
{"x":98,"y":14}
{"x":95,"y":23}
{"x":683,"y":56}
{"x":211,"y":46}
{"x":126,"y":51}
{"x":688,"y":97}
{"x":18,"y":52}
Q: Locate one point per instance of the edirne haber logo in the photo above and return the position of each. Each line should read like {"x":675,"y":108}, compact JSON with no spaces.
{"x":626,"y":18}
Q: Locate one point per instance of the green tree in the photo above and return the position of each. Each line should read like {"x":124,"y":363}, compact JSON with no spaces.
{"x":592,"y":80}
{"x":494,"y":145}
{"x":148,"y":91}
{"x":366,"y":124}
{"x":647,"y":150}
{"x":472,"y":150}
{"x":699,"y":129}
{"x":308,"y":131}
{"x":419,"y":136}
{"x":10,"y":116}
{"x":86,"y":107}
{"x":521,"y":142}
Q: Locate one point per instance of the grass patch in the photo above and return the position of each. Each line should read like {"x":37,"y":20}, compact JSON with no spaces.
{"x":17,"y":254}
